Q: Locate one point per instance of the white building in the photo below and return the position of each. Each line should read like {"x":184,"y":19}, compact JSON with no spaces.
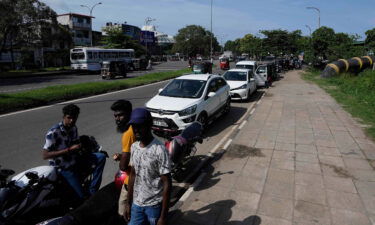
{"x":80,"y":25}
{"x":162,"y":39}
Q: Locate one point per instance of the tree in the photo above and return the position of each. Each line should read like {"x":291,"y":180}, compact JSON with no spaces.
{"x":370,"y":39}
{"x":21,"y":23}
{"x":281,"y":41}
{"x":251,"y":45}
{"x":322,"y":39}
{"x":233,"y":46}
{"x":193,"y":39}
{"x":115,"y":38}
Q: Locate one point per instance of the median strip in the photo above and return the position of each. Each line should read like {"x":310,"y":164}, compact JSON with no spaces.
{"x":28,"y":99}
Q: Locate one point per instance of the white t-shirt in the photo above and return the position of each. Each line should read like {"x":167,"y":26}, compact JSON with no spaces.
{"x":149,"y":163}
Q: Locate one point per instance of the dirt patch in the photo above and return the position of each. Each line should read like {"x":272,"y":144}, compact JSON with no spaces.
{"x":268,"y":94}
{"x":339,"y":171}
{"x":241,"y":151}
{"x":311,"y":93}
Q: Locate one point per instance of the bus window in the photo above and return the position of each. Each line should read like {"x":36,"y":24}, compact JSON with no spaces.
{"x":127,"y":54}
{"x":121,"y":54}
{"x":114,"y":55}
{"x":107,"y":55}
{"x":89,"y":54}
{"x":101,"y":55}
{"x":95,"y":55}
{"x":79,"y":55}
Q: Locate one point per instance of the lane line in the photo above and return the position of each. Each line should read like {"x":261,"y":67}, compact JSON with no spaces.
{"x":242,"y":124}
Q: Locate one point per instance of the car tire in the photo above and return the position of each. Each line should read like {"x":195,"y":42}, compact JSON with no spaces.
{"x":203,"y":119}
{"x":226,"y":109}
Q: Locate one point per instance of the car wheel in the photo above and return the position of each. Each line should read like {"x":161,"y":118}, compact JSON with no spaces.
{"x":227,"y":107}
{"x":203,"y":119}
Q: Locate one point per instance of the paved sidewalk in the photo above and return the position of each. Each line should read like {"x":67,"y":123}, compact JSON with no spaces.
{"x":300,"y":159}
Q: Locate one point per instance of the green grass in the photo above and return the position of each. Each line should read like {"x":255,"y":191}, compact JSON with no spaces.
{"x":24,"y":73}
{"x":39,"y":97}
{"x":355,"y":93}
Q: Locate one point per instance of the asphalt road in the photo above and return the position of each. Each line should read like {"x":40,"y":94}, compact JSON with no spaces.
{"x":12,"y":85}
{"x":22,"y":133}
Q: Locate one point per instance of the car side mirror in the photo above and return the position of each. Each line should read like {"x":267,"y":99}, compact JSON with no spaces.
{"x":160,"y":90}
{"x":211,"y":94}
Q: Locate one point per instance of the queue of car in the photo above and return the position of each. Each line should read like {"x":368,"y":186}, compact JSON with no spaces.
{"x":204,"y":97}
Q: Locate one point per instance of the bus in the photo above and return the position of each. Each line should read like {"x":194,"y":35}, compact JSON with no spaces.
{"x":90,"y":59}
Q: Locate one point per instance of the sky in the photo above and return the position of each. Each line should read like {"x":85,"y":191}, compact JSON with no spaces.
{"x":231,"y":19}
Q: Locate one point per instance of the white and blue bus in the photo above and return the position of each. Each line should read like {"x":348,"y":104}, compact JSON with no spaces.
{"x":90,"y":59}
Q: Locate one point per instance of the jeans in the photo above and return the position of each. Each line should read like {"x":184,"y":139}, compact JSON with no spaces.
{"x":90,"y":164}
{"x":143,"y":215}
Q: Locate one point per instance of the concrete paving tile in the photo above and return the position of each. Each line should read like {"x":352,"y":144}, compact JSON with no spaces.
{"x":237,"y":216}
{"x":309,"y":179}
{"x":311,"y":149}
{"x":365,"y":188}
{"x":350,"y":152}
{"x":335,"y":171}
{"x":346,"y":217}
{"x":344,"y":200}
{"x":276,"y":207}
{"x":369,"y":203}
{"x":282,"y":164}
{"x":258,"y":161}
{"x":213,"y":194}
{"x":338,"y":128}
{"x":339,"y":184}
{"x":357,"y":132}
{"x":306,"y":157}
{"x":286,"y":155}
{"x":307,"y":167}
{"x":307,"y":140}
{"x":269,"y":144}
{"x":357,"y":164}
{"x":245,"y":200}
{"x":366,"y":146}
{"x":220,"y":179}
{"x":200,"y":212}
{"x":310,"y":194}
{"x":328,"y":151}
{"x":332,"y":160}
{"x":273,"y":221}
{"x":279,"y":189}
{"x":372,"y":218}
{"x":370,"y":154}
{"x":252,"y":169}
{"x":249,"y":184}
{"x":285,"y":146}
{"x":282,"y":176}
{"x":362,"y":175}
{"x":326,"y":143}
{"x":308,"y":213}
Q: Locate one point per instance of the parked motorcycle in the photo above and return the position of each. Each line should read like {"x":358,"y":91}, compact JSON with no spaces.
{"x":41,"y":191}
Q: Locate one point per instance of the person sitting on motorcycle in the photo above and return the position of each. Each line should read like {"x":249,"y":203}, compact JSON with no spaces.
{"x":62,"y":148}
{"x":122,"y":110}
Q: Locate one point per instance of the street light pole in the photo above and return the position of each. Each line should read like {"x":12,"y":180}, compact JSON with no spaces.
{"x":211,"y":35}
{"x":310,"y":7}
{"x":90,"y":9}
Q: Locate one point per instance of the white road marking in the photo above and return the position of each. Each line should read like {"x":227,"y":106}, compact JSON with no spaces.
{"x":252,"y":111}
{"x":259,"y":101}
{"x":242,"y":124}
{"x":191,"y":189}
{"x":227,"y":144}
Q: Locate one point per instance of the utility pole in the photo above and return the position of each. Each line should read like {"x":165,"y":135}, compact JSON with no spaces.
{"x":90,"y":9}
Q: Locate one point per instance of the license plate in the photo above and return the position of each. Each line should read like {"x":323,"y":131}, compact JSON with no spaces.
{"x":160,"y":123}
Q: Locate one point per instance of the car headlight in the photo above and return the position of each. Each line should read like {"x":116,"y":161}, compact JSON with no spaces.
{"x":188,"y":111}
{"x":242,"y":87}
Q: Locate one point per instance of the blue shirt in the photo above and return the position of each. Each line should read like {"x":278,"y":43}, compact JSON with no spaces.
{"x":58,"y":138}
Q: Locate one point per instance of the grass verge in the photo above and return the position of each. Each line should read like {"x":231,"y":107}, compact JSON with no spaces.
{"x":355,"y":93}
{"x":26,"y":73}
{"x":58,"y":93}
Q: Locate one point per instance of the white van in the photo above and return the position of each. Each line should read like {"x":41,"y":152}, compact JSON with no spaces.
{"x":262,"y":73}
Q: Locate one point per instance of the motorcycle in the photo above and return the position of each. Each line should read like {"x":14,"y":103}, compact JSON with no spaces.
{"x":41,"y":191}
{"x":179,"y":149}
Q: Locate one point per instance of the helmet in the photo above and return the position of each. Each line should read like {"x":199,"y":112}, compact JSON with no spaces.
{"x":175,"y":149}
{"x":121,"y":178}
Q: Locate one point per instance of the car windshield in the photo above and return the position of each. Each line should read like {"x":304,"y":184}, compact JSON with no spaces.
{"x":183,"y":88}
{"x":235,"y":76}
{"x":250,"y":67}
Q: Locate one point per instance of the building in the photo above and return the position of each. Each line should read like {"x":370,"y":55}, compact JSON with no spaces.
{"x":80,"y":26}
{"x":161,"y":38}
{"x":133,"y":31}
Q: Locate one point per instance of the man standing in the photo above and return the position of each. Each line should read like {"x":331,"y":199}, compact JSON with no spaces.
{"x":122,"y":110}
{"x":150,"y":180}
{"x":61,"y":149}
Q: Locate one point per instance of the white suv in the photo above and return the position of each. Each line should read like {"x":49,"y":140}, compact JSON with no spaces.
{"x":242,"y":83}
{"x":189,"y":98}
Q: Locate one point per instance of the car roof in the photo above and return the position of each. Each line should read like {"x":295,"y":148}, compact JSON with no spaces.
{"x":239,"y":70}
{"x":197,"y":76}
{"x":246,"y":62}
